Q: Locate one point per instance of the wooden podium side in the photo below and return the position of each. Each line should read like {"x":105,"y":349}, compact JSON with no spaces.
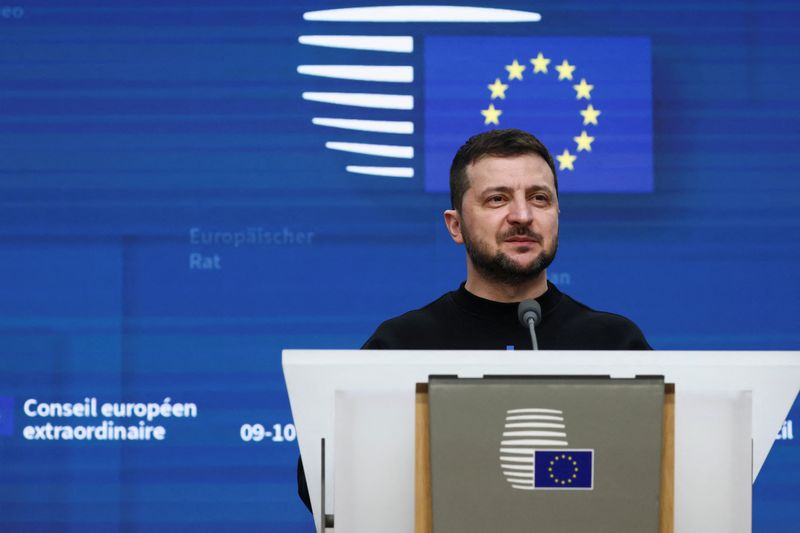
{"x":667,"y":507}
{"x":423,"y":511}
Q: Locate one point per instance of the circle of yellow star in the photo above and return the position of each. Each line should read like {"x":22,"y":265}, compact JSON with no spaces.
{"x":583,"y":90}
{"x":584,"y":142}
{"x":590,"y":115}
{"x":565,"y":160}
{"x":498,"y":89}
{"x":540,"y":63}
{"x":515,"y":70}
{"x":491,"y":115}
{"x":565,"y":70}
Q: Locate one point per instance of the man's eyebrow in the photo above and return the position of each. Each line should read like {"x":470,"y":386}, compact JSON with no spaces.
{"x":503,"y":189}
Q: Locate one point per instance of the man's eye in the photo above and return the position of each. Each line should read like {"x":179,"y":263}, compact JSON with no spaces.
{"x":541,"y":198}
{"x":495,"y":199}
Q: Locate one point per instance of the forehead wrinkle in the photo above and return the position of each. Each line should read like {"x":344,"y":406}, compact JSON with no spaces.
{"x":497,"y":188}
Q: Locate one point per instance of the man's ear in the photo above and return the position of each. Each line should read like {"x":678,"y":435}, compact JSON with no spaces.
{"x":452,"y":219}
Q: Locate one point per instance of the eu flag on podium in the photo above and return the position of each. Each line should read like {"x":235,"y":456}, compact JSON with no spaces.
{"x":563,"y":469}
{"x":588,"y":99}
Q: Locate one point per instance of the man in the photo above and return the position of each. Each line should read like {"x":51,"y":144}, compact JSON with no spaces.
{"x":504,"y":210}
{"x":504,"y":196}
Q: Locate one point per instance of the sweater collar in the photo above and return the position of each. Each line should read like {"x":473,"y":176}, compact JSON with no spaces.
{"x":500,"y":310}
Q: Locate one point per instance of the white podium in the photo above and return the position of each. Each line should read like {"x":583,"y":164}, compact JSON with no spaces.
{"x":729,"y":407}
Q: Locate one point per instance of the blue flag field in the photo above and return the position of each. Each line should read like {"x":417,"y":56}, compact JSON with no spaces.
{"x":563,"y":469}
{"x":588,"y":99}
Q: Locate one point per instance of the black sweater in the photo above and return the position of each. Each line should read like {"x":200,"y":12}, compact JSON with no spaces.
{"x":459,"y":320}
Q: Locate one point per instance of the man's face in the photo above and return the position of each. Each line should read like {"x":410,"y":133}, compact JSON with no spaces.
{"x":509,"y":218}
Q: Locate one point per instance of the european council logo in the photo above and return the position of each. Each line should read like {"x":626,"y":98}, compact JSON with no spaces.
{"x":588,"y":99}
{"x":534,"y":453}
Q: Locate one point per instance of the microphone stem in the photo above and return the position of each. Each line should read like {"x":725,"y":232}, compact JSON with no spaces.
{"x":533,"y":334}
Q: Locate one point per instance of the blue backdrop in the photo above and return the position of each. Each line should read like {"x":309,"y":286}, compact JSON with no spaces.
{"x":174,"y":213}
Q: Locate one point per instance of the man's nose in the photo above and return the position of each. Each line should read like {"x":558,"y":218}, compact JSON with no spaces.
{"x":520,"y":212}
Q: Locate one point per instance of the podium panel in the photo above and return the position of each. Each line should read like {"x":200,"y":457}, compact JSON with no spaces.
{"x":561,"y":454}
{"x":713,"y":454}
{"x":372,"y":441}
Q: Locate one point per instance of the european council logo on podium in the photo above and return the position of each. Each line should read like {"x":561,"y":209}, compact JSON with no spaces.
{"x":588,"y":99}
{"x":534,"y":453}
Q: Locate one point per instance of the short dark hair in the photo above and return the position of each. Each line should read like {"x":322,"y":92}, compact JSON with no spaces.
{"x":498,"y":143}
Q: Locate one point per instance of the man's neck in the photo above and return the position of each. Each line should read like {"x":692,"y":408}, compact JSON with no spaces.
{"x":500,"y":292}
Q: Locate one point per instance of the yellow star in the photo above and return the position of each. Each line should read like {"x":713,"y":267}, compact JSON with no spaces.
{"x":515,"y":70}
{"x":540,"y":63}
{"x":565,"y":70}
{"x":491,"y":115}
{"x":584,"y":143}
{"x":590,"y":115}
{"x":583,"y":90}
{"x":498,"y":89}
{"x":565,"y":160}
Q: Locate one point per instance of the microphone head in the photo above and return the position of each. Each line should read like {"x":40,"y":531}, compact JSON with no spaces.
{"x":529,"y":309}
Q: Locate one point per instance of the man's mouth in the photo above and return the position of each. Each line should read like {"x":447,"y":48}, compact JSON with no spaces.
{"x":522,"y":239}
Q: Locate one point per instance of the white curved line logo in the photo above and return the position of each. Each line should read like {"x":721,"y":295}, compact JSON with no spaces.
{"x":386,"y":76}
{"x":525,"y":430}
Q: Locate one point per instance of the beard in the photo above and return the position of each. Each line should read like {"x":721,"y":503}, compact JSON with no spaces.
{"x":500,"y":267}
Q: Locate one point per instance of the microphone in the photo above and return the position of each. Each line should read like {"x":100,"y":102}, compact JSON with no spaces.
{"x":530,"y":315}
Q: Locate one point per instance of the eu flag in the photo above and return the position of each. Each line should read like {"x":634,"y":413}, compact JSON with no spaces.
{"x":588,"y":99}
{"x":563,"y":469}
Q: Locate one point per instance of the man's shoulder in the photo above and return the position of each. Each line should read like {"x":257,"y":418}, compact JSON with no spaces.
{"x":606,"y":330}
{"x":412,"y":329}
{"x":603,"y":318}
